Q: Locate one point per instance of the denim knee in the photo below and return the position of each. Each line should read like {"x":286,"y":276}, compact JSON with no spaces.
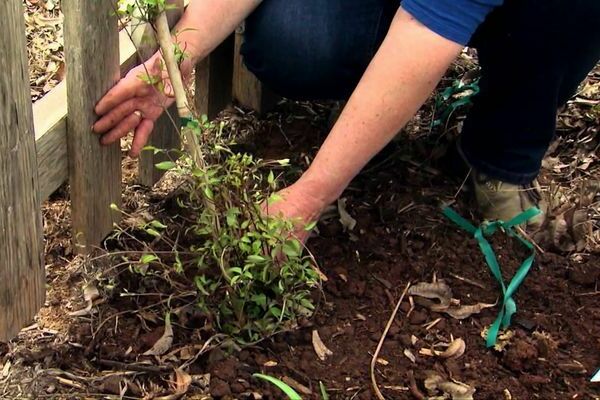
{"x":310,"y":49}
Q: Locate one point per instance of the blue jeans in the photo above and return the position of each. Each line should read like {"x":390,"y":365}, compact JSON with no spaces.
{"x":532,"y":53}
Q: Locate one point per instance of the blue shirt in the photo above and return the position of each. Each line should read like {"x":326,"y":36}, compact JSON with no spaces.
{"x":455,"y":20}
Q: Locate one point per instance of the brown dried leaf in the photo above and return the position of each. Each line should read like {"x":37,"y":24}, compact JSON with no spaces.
{"x":463,"y":312}
{"x":455,"y":349}
{"x":409,"y":354}
{"x":437,"y":290}
{"x":435,"y":383}
{"x":90,"y":293}
{"x":322,"y":351}
{"x":180,"y":386}
{"x":162,"y":345}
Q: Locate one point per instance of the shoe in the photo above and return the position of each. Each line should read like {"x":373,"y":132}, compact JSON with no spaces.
{"x":504,"y":201}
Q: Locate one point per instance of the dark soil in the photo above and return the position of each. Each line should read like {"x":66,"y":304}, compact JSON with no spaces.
{"x":551,"y":351}
{"x":401,"y":236}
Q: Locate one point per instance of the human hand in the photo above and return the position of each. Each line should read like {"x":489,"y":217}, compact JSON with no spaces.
{"x":299,"y":203}
{"x":133,"y":105}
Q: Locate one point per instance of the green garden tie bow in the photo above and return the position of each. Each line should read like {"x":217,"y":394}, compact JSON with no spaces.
{"x":509,"y":306}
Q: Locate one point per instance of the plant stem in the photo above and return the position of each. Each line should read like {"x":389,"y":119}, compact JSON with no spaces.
{"x":167,"y":48}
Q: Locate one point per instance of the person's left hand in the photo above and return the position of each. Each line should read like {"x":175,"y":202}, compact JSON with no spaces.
{"x":300,"y":204}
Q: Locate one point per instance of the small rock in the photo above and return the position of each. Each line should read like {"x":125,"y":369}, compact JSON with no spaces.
{"x":237,"y":387}
{"x":417,"y":317}
{"x":584,"y":274}
{"x":219,"y":388}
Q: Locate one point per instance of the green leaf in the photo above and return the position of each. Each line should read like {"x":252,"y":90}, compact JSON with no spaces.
{"x":310,"y":226}
{"x":260,"y":299}
{"x":165,"y":165}
{"x":158,"y":225}
{"x":271,"y":178}
{"x":289,"y":392}
{"x":275,"y":311}
{"x":231,"y":216}
{"x":324,"y":394}
{"x":255,"y":258}
{"x":291,"y":248}
{"x":235,"y":271}
{"x":148,"y":258}
{"x":152,"y":232}
{"x":284,"y":162}
{"x":209,"y":193}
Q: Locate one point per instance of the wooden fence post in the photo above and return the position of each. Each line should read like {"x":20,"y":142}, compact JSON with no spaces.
{"x":22,"y":277}
{"x":247,"y":89}
{"x":214,"y":77}
{"x":92,"y":59}
{"x":165,"y":134}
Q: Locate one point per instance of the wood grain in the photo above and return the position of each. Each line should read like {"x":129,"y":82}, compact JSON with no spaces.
{"x":247,"y":89}
{"x":214,"y":75}
{"x":50,"y":121}
{"x":92,"y":59}
{"x":22,"y":278}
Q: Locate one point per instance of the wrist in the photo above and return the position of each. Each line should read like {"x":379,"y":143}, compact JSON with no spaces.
{"x":320,"y":186}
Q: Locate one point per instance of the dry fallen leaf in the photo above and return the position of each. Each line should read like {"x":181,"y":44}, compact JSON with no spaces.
{"x":454,"y":350}
{"x":437,"y":290}
{"x":435,"y":383}
{"x":180,"y":386}
{"x":90,"y":293}
{"x":462,"y":312}
{"x":163,"y":344}
{"x":345,"y":219}
{"x":322,"y":351}
{"x":409,"y":354}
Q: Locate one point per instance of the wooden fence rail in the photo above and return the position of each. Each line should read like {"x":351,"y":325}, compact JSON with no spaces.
{"x":44,"y":146}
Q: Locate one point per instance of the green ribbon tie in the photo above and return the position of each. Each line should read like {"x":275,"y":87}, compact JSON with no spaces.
{"x":509,"y":306}
{"x":185,"y":122}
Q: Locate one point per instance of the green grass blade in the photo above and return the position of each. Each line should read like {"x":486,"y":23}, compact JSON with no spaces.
{"x":324,"y":394}
{"x":290,"y":393}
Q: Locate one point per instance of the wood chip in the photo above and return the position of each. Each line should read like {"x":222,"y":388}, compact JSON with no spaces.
{"x":322,"y":351}
{"x":297,"y":386}
{"x":409,"y":354}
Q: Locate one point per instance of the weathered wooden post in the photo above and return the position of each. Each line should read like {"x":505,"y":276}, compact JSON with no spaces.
{"x":247,"y":89}
{"x":22,"y":278}
{"x":92,"y":59}
{"x":214,"y":80}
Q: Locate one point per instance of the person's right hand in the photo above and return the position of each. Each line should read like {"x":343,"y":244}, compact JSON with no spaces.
{"x":132,"y":105}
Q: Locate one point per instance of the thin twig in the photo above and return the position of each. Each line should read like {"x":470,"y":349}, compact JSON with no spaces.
{"x":526,"y":236}
{"x":414,"y":389}
{"x":155,"y":369}
{"x":467,"y":280}
{"x":380,"y":344}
